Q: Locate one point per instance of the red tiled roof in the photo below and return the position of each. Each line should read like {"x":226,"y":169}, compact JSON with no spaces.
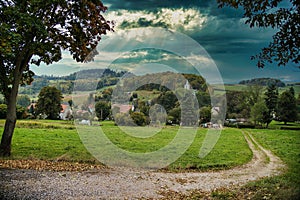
{"x":123,"y":108}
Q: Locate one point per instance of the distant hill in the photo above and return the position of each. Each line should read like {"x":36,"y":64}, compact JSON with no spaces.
{"x":263,"y":82}
{"x":166,"y":79}
{"x":84,"y":74}
{"x":66,"y":83}
{"x":85,"y":81}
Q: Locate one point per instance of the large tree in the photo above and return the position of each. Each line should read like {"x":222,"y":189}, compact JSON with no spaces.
{"x":271,"y":100}
{"x":281,"y":15}
{"x":287,"y":106}
{"x":258,"y":111}
{"x":36,"y":31}
{"x":23,"y":100}
{"x":102,"y":109}
{"x":49,"y":102}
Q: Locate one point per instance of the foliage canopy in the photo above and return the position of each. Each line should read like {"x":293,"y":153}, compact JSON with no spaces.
{"x":281,"y":15}
{"x":35,"y":32}
{"x":49,"y":102}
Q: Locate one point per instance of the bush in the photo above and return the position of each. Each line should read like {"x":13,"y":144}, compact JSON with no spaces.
{"x":133,"y":119}
{"x":289,"y":128}
{"x":3,"y":111}
{"x":21,"y":112}
{"x":246,"y":125}
{"x":231,"y":125}
{"x":123,"y":119}
{"x":139,"y":118}
{"x":102,"y":109}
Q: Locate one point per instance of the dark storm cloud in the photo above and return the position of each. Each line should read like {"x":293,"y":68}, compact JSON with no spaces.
{"x":222,"y":32}
{"x":154,"y":4}
{"x":208,"y":6}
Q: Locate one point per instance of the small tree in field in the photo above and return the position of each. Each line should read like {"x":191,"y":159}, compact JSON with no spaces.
{"x":102,"y":109}
{"x":271,"y":100}
{"x":49,"y":102}
{"x":36,"y":31}
{"x":287,"y":107}
{"x":258,"y":111}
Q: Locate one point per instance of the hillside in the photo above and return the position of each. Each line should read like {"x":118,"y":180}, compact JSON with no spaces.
{"x":109,"y":78}
{"x":66,"y":83}
{"x":263,"y":82}
{"x":85,"y":80}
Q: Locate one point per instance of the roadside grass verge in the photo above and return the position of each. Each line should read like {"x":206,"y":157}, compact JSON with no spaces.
{"x":59,"y":141}
{"x":286,"y":145}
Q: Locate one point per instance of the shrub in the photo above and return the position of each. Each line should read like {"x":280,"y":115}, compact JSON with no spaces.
{"x":21,"y":112}
{"x":123,"y":119}
{"x":246,"y":125}
{"x":3,"y":111}
{"x":139,"y":118}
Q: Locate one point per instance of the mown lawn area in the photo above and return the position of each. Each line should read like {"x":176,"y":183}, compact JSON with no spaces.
{"x":59,"y":140}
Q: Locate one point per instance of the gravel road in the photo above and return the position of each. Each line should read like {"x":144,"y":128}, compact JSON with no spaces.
{"x":125,"y":183}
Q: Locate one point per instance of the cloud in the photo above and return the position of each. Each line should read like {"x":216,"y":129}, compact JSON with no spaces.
{"x":153,"y":4}
{"x":216,"y":33}
{"x":222,"y":33}
{"x":179,"y":19}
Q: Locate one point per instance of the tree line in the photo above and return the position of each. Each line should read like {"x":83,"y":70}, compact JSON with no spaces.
{"x":263,"y":107}
{"x":263,"y":82}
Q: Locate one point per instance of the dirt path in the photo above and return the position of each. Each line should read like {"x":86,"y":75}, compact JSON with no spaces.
{"x":124,"y":183}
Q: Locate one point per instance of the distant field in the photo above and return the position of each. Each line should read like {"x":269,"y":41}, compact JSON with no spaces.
{"x":147,"y":95}
{"x":238,"y":87}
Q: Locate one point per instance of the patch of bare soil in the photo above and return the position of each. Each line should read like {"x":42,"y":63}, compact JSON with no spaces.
{"x":125,"y":183}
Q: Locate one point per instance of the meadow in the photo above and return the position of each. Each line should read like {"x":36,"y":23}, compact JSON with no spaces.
{"x":59,"y":141}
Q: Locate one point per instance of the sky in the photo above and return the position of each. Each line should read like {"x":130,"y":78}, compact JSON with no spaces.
{"x":223,"y":39}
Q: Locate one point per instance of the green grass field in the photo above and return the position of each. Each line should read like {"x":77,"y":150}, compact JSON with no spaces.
{"x":59,"y":140}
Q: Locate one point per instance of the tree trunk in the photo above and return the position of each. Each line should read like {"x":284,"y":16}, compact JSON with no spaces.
{"x":11,"y":116}
{"x":21,"y":63}
{"x":10,"y":123}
